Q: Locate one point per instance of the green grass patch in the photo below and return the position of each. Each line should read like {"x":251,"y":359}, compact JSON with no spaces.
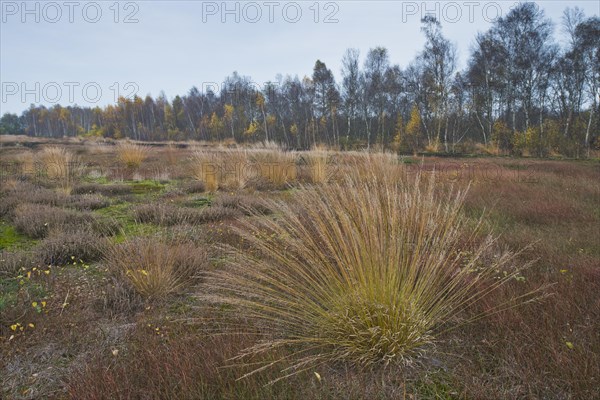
{"x":118,"y":211}
{"x":129,"y":227}
{"x":198,"y":202}
{"x":11,"y":239}
{"x":102,"y":180}
{"x":133,"y":229}
{"x":10,"y":289}
{"x":147,"y":186}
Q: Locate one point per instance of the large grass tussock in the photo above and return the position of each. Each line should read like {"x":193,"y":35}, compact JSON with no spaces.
{"x":367,"y":270}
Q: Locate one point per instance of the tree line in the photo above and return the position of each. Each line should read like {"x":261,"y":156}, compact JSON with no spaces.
{"x":521,"y":92}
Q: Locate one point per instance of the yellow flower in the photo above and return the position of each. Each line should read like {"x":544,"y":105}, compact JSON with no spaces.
{"x":14,"y":327}
{"x":564,"y":271}
{"x":34,"y":304}
{"x":43,"y":304}
{"x":31,"y":325}
{"x":144,"y":272}
{"x":570,"y":345}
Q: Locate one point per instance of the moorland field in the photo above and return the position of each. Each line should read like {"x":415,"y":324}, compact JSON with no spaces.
{"x":196,"y":271}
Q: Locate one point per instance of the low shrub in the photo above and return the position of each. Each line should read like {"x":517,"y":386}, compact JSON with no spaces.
{"x":120,"y":298}
{"x":61,"y":248}
{"x":193,"y":187}
{"x":248,"y":204}
{"x":12,"y":262}
{"x":36,"y":220}
{"x":168,"y":215}
{"x":13,"y":195}
{"x":114,"y":189}
{"x":162,"y":214}
{"x":87,"y":202}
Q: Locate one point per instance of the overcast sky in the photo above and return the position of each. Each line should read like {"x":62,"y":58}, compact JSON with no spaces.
{"x":87,"y":53}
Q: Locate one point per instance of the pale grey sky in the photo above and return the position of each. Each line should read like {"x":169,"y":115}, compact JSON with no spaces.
{"x":88,"y":52}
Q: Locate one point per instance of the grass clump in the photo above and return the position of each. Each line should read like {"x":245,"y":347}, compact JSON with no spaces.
{"x":154,"y":267}
{"x":367,"y":271}
{"x":131,"y":155}
{"x":62,"y":166}
{"x":226,"y":169}
{"x":317,"y":161}
{"x":276,"y":166}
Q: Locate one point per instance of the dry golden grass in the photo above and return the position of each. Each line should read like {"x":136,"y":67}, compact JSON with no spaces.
{"x":227,"y":168}
{"x":130,"y":154}
{"x":317,"y":162}
{"x":154,"y":267}
{"x":275,"y":165}
{"x":367,"y":271}
{"x":61,"y":165}
{"x":235,"y":169}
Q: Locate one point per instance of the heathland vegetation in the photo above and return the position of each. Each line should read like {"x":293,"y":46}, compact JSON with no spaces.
{"x":193,"y":271}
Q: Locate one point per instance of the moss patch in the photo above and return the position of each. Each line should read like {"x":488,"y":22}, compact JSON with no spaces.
{"x":10,"y":238}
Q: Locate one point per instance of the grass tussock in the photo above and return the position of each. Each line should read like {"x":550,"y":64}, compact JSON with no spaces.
{"x":235,"y":169}
{"x":276,"y":166}
{"x":130,"y":154}
{"x":365,"y":271}
{"x":155,"y":267}
{"x":62,"y":166}
{"x":227,"y":169}
{"x":317,"y":161}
